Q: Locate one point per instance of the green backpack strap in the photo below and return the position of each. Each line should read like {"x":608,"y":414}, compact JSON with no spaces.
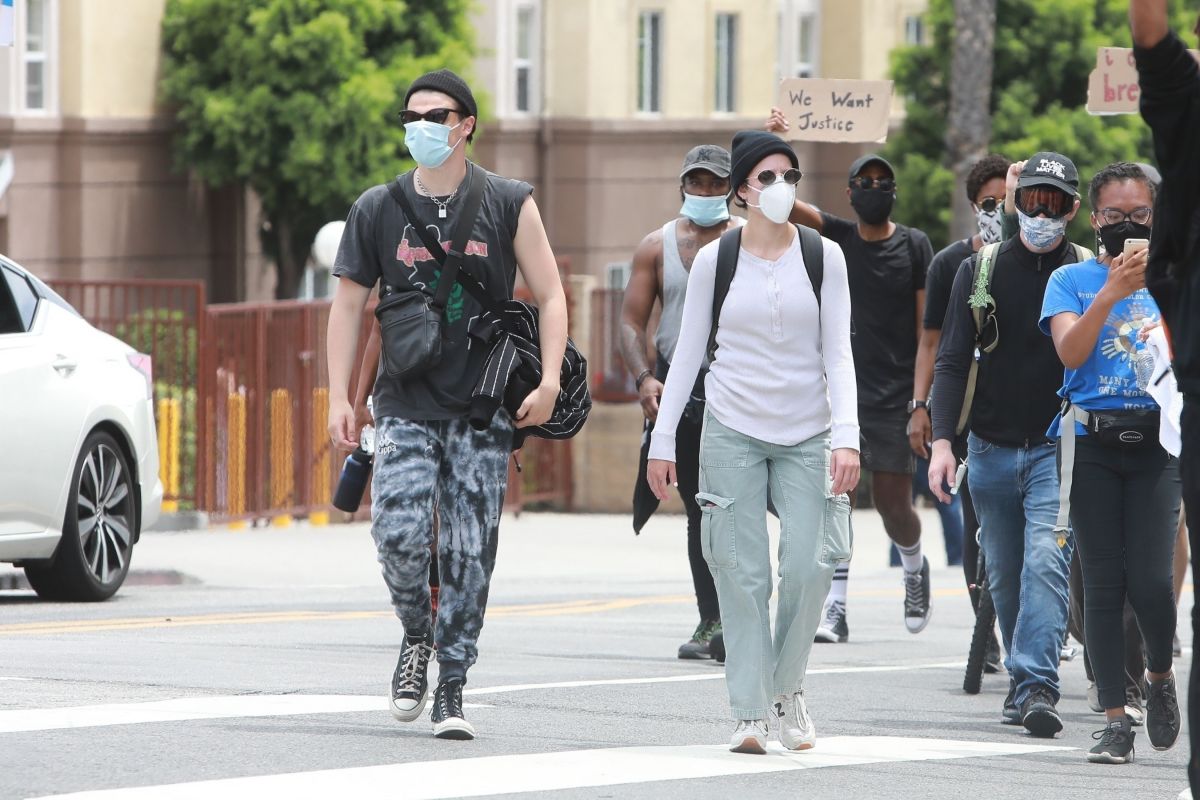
{"x":980,"y":301}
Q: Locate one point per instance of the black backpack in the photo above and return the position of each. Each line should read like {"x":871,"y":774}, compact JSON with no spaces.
{"x":811,"y":248}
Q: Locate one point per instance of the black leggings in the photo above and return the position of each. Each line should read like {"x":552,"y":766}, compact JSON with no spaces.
{"x":1125,"y":513}
{"x":687,"y":472}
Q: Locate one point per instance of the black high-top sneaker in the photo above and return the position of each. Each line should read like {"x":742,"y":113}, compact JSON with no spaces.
{"x":410,"y":682}
{"x":447,"y":716}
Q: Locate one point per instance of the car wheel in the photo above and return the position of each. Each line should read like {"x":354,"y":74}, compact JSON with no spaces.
{"x":99,"y":529}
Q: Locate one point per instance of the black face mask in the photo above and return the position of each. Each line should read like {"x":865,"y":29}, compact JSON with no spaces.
{"x":873,"y":206}
{"x":1113,"y":236}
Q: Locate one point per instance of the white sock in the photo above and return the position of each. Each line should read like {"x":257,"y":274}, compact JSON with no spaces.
{"x":910,"y":557}
{"x":837,"y":590}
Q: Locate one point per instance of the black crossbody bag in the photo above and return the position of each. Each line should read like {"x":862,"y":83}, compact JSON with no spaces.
{"x":410,"y":321}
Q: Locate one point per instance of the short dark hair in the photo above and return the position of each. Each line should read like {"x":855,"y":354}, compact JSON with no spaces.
{"x":1113,"y":173}
{"x":985,"y":169}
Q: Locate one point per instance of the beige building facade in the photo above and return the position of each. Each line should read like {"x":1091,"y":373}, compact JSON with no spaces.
{"x":92,"y":191}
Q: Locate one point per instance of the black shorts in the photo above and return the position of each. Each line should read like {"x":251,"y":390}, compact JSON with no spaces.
{"x":884,"y":436}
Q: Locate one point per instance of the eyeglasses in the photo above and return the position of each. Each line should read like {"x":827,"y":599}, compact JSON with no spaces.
{"x":989,"y":204}
{"x":436,"y":115}
{"x":790,"y":176}
{"x":1038,"y":200}
{"x":882,"y":184}
{"x":1115,"y":216}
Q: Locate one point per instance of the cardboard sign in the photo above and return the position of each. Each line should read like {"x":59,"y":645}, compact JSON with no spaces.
{"x":1113,"y":85}
{"x":835,"y":110}
{"x":6,"y":23}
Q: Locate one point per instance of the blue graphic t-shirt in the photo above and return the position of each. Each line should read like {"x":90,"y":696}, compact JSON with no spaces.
{"x":1107,"y":380}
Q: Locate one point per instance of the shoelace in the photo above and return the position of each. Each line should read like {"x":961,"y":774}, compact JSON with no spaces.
{"x":450,"y":699}
{"x":912,"y":591}
{"x":836,"y":609}
{"x":414,"y":666}
{"x":1159,"y":696}
{"x":1108,"y":734}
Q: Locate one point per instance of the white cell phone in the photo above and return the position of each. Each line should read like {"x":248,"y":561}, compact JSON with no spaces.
{"x":1135,"y":245}
{"x":958,"y":477}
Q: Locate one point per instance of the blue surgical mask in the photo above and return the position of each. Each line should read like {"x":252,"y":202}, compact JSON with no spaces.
{"x":428,"y":142}
{"x":705,"y":211}
{"x":1041,"y":232}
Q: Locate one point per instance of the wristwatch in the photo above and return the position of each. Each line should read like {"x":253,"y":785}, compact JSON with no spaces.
{"x":913,"y":405}
{"x":637,"y":382}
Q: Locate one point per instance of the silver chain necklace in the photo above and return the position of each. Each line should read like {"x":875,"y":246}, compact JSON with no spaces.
{"x":441,"y":204}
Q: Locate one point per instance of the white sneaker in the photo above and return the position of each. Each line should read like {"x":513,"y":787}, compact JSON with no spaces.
{"x":1186,"y":794}
{"x":1093,"y":698}
{"x":750,"y":736}
{"x":1137,"y":716}
{"x":796,"y":728}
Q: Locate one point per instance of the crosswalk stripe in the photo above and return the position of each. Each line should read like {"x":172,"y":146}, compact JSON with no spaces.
{"x":540,"y":772}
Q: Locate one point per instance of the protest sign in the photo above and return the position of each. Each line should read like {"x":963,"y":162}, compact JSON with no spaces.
{"x":1113,"y":84}
{"x":836,"y":110}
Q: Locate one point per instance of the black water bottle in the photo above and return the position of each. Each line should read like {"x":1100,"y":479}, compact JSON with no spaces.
{"x":355,"y":474}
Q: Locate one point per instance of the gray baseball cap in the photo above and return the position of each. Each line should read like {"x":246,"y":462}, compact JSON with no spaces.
{"x":708,"y":157}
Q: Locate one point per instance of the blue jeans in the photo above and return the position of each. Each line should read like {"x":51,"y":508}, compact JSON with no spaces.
{"x":1015,"y":492}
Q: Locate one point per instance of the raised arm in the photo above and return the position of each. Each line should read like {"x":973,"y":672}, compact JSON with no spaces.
{"x":540,"y":271}
{"x":1149,"y":22}
{"x":640,"y":295}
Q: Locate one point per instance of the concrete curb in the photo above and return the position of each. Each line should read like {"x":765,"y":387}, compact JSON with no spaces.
{"x":178,"y":522}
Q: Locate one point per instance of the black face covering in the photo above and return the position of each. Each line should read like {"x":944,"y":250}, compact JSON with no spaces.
{"x":873,"y":206}
{"x":1113,"y":236}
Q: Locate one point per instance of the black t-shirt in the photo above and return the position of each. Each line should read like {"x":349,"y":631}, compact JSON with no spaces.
{"x":942,"y":270}
{"x":884,"y":278}
{"x":379,"y":242}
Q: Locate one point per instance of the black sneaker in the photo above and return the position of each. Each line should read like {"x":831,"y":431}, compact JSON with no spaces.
{"x":833,"y":627}
{"x":699,"y":646}
{"x":993,"y":659}
{"x":717,"y":647}
{"x":1116,"y":744}
{"x":410,"y":682}
{"x":1039,"y":715}
{"x":1011,"y":715}
{"x":447,"y":716}
{"x":916,"y":598}
{"x":1162,"y":713}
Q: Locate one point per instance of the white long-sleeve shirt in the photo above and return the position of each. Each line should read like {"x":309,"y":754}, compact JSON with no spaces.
{"x":779,"y":376}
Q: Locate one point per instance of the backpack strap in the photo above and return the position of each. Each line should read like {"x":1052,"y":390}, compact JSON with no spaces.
{"x":980,"y":302}
{"x":813,"y":250}
{"x":1082,"y":254}
{"x":727,"y":258}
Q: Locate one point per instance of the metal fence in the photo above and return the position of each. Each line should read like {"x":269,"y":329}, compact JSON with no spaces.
{"x":610,"y":380}
{"x":242,"y":401}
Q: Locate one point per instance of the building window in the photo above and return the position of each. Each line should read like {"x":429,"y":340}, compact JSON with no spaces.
{"x":726,"y":99}
{"x":806,"y":46}
{"x":35,"y":56}
{"x":649,"y":61}
{"x":914,"y":30}
{"x":523,"y":61}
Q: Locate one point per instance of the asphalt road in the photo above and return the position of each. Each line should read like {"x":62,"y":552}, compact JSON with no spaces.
{"x":256,"y":664}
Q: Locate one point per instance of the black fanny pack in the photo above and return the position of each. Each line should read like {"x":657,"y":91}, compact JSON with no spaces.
{"x":410,"y":321}
{"x":1128,"y":428}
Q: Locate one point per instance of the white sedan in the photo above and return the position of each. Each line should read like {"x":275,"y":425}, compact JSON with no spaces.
{"x":78,"y":451}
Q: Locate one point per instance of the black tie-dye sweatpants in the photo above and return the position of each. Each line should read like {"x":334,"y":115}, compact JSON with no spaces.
{"x":465,"y":473}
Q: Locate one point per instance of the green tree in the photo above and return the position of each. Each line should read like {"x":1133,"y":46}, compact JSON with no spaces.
{"x":297,"y":100}
{"x":1044,"y":52}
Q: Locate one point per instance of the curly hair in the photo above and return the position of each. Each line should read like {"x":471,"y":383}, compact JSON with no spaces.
{"x":1113,"y":173}
{"x":986,"y":168}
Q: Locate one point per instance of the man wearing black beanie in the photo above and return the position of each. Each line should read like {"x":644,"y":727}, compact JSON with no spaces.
{"x":427,"y":453}
{"x":887,"y":264}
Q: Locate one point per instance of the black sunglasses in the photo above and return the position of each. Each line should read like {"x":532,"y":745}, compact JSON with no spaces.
{"x":435,"y":115}
{"x":882,"y":184}
{"x":790,"y":176}
{"x":989,"y":204}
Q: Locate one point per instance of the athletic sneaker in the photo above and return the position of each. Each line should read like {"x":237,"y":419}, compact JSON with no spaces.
{"x":1093,"y":698}
{"x":796,"y":729}
{"x":993,"y":659}
{"x":833,"y":627}
{"x":410,"y":682}
{"x":1039,"y":714}
{"x":447,"y":716}
{"x":916,"y":598}
{"x":699,"y":645}
{"x":1011,"y":715}
{"x":1162,"y":717}
{"x":1133,"y":710}
{"x":750,"y":736}
{"x":1116,"y":744}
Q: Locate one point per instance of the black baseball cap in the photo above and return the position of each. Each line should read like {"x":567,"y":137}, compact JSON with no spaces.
{"x":708,"y":157}
{"x":1050,"y":169}
{"x":861,"y":163}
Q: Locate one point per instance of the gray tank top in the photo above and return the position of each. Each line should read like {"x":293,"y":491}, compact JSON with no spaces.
{"x":675,"y":279}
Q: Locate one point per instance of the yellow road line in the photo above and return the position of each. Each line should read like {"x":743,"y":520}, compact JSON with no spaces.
{"x":566,"y":608}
